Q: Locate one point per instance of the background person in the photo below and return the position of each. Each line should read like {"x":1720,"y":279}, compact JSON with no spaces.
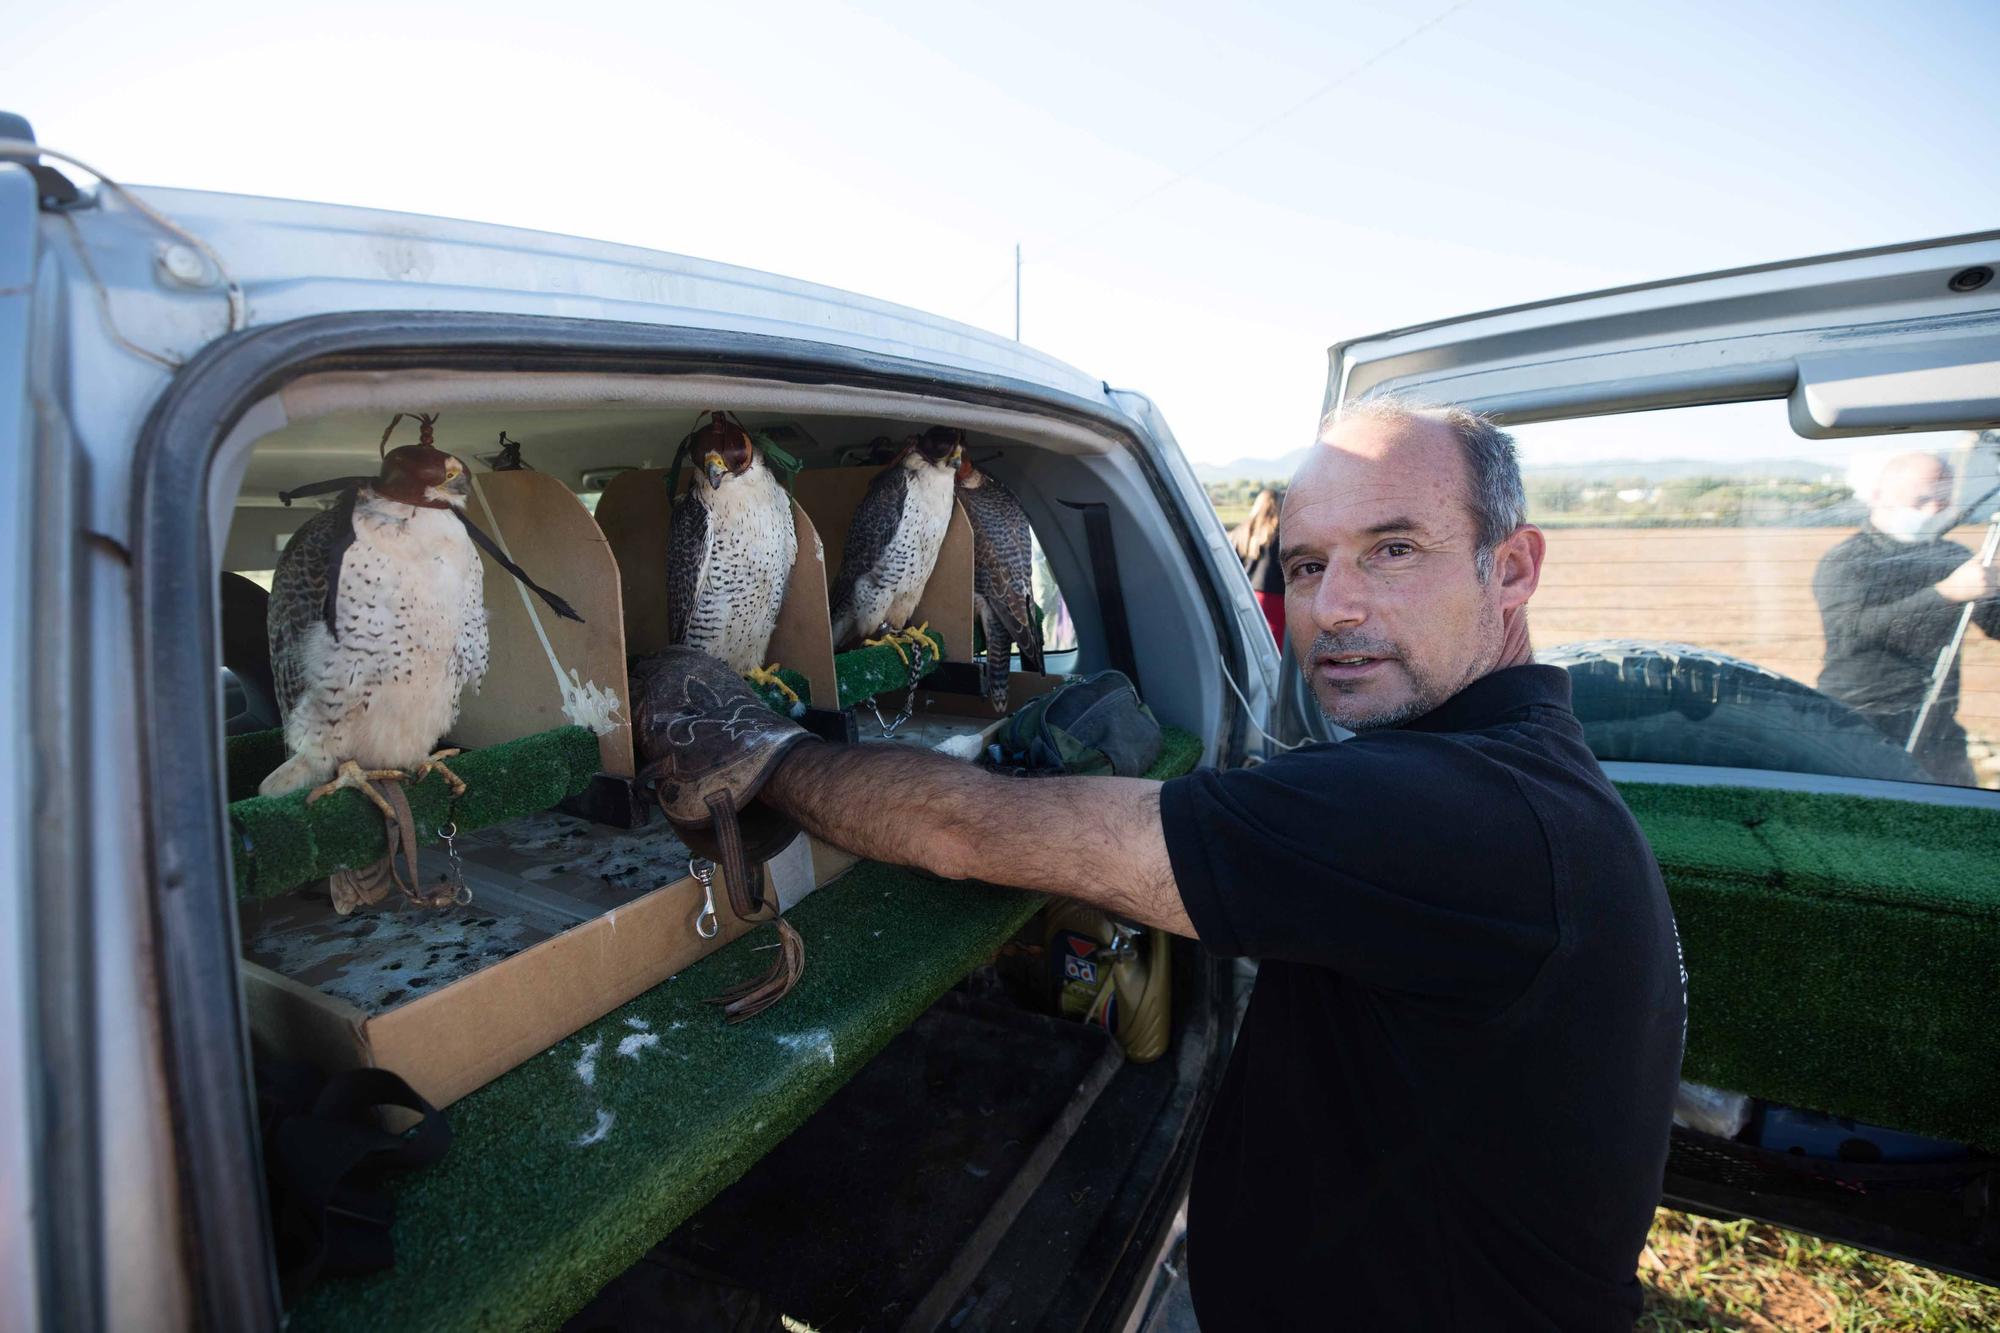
{"x":1890,"y":598}
{"x":1256,"y":543}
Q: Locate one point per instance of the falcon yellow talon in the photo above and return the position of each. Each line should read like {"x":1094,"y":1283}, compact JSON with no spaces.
{"x":436,"y":763}
{"x":768,"y":676}
{"x":893,"y":639}
{"x":352,"y":774}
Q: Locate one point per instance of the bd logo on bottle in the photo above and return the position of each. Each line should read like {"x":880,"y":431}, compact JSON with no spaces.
{"x":1077,"y":963}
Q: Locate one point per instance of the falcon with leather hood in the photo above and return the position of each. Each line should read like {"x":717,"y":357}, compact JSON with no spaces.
{"x":730,"y":552}
{"x":377,"y":624}
{"x":894,"y":539}
{"x":1002,"y":578}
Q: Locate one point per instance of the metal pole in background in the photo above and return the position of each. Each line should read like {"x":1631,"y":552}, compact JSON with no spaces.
{"x":1017,"y":291}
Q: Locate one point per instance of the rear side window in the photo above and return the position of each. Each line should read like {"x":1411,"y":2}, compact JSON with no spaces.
{"x":1724,"y":592}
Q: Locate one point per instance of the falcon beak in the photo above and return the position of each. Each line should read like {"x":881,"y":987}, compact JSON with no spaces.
{"x":457,"y":481}
{"x":716,"y":469}
{"x":957,"y":454}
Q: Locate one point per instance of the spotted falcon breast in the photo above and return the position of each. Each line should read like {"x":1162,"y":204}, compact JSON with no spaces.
{"x":377,"y":623}
{"x":730,"y":551}
{"x":894,"y":539}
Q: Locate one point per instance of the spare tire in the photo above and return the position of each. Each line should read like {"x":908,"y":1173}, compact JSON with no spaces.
{"x":1674,"y":703}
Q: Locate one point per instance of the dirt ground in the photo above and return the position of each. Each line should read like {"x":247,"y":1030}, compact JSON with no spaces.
{"x":1743,"y":591}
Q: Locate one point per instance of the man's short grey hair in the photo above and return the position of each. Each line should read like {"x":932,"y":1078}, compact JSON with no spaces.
{"x":1498,"y":501}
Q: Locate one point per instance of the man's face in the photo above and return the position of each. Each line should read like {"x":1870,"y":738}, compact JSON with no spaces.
{"x":1384,"y":604}
{"x":1919,"y":482}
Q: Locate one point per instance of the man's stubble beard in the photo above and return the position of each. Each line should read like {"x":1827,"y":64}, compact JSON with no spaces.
{"x":1427,"y":692}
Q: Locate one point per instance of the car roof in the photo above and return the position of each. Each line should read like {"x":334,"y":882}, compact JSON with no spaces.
{"x":293,"y":259}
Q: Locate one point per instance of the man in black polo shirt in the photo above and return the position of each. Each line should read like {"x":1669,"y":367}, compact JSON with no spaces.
{"x":1448,"y":1105}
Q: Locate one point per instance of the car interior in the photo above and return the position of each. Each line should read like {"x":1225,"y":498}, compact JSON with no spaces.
{"x":934,"y":1129}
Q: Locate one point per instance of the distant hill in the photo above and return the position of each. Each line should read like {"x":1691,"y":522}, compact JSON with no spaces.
{"x":1670,"y":469}
{"x":1610,"y":469}
{"x":1251,"y":469}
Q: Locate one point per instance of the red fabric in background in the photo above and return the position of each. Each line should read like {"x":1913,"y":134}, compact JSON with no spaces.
{"x":1273,"y":604}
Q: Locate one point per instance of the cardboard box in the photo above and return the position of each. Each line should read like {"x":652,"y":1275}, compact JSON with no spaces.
{"x":453,"y":999}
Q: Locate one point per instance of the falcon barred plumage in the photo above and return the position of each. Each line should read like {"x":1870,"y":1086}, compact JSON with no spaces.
{"x":1002,"y":578}
{"x":894,"y":539}
{"x":377,"y":624}
{"x":730,"y":551}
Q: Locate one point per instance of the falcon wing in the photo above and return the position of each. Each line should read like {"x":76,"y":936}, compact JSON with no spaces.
{"x":1003,"y":565}
{"x":305,"y":591}
{"x":876,"y":519}
{"x":687,"y":561}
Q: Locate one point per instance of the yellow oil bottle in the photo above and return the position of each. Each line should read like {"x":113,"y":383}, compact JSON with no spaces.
{"x":1115,"y":976}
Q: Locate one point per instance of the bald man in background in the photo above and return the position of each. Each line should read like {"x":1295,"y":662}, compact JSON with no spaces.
{"x":1889,"y":600}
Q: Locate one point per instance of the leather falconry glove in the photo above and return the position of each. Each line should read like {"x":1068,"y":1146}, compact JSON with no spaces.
{"x":710,"y":742}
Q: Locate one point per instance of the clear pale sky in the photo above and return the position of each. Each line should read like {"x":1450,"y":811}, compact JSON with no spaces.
{"x":1514,"y":150}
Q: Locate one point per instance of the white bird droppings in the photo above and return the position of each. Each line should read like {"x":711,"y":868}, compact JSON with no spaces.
{"x":638,"y":1024}
{"x":586,"y":1064}
{"x":818,"y":1042}
{"x":597,"y":1131}
{"x":638,"y":1041}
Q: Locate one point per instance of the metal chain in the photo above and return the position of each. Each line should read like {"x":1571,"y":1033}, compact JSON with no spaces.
{"x":916,"y":665}
{"x":703,"y":870}
{"x":461,"y":892}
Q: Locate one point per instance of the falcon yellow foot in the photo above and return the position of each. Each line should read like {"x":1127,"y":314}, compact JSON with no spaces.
{"x":436,"y":763}
{"x":351,"y":774}
{"x":768,"y":677}
{"x":915,"y":638}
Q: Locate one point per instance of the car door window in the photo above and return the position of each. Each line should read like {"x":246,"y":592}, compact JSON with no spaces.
{"x":1724,"y":592}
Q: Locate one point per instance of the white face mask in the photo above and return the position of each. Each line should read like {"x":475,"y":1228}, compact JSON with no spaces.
{"x":1904,"y":524}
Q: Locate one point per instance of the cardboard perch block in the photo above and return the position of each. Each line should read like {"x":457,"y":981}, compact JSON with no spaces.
{"x":546,"y":530}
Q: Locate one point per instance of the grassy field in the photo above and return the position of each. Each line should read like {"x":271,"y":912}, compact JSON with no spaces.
{"x":1702,"y":1274}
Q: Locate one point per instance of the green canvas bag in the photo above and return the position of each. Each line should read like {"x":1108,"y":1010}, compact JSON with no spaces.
{"x":1095,"y":725}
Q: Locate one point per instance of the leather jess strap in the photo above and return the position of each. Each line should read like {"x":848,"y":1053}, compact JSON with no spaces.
{"x":746,"y":889}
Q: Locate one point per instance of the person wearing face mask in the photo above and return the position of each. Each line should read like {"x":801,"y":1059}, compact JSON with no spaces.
{"x":1890,"y":598}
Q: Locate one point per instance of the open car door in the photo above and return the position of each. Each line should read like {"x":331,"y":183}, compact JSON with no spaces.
{"x":1769,"y":497}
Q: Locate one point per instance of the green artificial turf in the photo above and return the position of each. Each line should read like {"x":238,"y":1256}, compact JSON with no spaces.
{"x":250,"y":758}
{"x":524,"y":1221}
{"x":279,"y":842}
{"x":1843,"y":953}
{"x":867,"y":672}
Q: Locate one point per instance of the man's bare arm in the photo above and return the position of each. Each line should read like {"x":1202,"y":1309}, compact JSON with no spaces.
{"x":1097,"y":840}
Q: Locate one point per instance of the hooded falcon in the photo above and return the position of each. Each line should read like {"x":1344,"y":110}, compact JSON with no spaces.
{"x":377,"y":623}
{"x":729,"y":552}
{"x":895,"y":537}
{"x":1002,"y":575}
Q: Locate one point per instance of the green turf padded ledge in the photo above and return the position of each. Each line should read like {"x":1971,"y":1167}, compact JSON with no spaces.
{"x":529,"y":1215}
{"x":523,"y":1222}
{"x":1843,"y":952}
{"x":1180,"y":751}
{"x":279,"y":842}
{"x":866,"y":672}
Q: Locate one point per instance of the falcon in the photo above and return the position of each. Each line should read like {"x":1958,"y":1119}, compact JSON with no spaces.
{"x":894,"y":539}
{"x":1002,"y":577}
{"x":729,"y":553}
{"x":377,"y":624}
